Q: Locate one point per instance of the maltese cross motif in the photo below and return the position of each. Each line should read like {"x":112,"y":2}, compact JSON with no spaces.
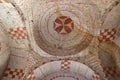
{"x":63,"y":25}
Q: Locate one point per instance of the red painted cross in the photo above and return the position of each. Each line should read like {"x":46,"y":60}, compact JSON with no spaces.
{"x":63,"y":25}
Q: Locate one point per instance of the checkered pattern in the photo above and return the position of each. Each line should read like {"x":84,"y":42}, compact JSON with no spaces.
{"x":1,"y":1}
{"x":111,"y":71}
{"x":18,"y":33}
{"x":13,"y":73}
{"x":107,"y":35}
{"x":30,"y":62}
{"x":31,"y":76}
{"x":96,"y":77}
{"x":65,"y":64}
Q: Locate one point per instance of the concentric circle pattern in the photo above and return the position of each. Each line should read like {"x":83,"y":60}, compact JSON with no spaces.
{"x":63,"y":28}
{"x":61,"y":70}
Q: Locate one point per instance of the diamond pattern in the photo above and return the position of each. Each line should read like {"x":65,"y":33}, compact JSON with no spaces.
{"x":18,"y":33}
{"x":107,"y":35}
{"x":13,"y":73}
{"x":110,"y":71}
{"x":65,"y":64}
{"x":30,"y":62}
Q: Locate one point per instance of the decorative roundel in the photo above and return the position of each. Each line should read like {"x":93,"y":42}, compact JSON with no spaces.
{"x":64,"y":29}
{"x":63,"y":25}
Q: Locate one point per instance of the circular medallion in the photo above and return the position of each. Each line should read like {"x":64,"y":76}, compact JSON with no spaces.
{"x":63,"y":29}
{"x":63,"y":25}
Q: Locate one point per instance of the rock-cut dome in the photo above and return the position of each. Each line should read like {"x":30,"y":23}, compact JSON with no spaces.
{"x":59,"y":39}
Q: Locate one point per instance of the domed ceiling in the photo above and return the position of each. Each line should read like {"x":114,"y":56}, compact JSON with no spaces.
{"x":64,"y":28}
{"x":60,"y":40}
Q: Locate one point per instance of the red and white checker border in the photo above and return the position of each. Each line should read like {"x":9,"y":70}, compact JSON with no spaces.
{"x":18,"y":33}
{"x":111,"y":71}
{"x":13,"y":73}
{"x":107,"y":35}
{"x":65,"y":64}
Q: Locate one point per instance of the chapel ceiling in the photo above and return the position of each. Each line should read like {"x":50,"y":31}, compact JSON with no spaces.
{"x":69,"y":36}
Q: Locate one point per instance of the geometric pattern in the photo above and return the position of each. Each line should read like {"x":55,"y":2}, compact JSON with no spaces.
{"x":54,"y":29}
{"x":13,"y":73}
{"x":96,"y":77}
{"x":107,"y":35}
{"x":30,"y":62}
{"x":63,"y":25}
{"x":65,"y":64}
{"x":31,"y":76}
{"x":18,"y":33}
{"x":54,"y":78}
{"x":111,"y":71}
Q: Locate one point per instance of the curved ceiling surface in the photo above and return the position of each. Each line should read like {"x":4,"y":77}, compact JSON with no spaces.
{"x":63,"y":29}
{"x":64,"y":70}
